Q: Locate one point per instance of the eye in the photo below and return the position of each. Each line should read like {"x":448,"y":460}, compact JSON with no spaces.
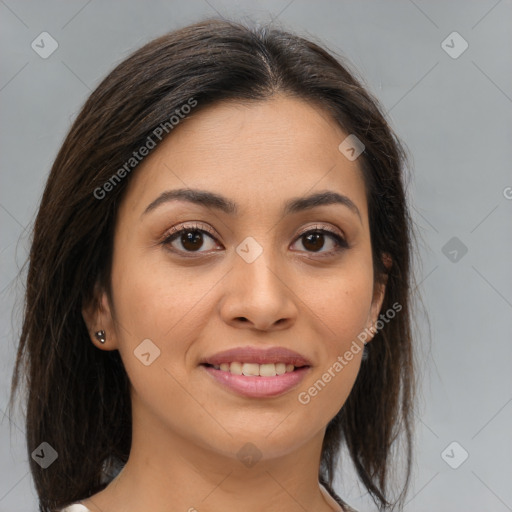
{"x":314,"y":240}
{"x":189,"y":238}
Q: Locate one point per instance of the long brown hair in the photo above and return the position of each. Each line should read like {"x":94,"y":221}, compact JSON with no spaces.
{"x":78,"y":396}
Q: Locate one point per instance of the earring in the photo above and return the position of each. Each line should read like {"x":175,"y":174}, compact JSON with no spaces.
{"x":100,"y":336}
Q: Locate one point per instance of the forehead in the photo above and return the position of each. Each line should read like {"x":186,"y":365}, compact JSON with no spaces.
{"x":256,"y":151}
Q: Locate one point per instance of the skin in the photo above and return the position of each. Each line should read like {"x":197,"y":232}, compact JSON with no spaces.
{"x":187,"y":429}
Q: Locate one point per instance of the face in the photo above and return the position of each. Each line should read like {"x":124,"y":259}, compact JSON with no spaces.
{"x":261,"y":268}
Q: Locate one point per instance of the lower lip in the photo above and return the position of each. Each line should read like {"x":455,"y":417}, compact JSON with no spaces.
{"x":258,"y":387}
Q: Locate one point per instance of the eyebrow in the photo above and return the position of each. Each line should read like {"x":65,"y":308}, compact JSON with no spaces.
{"x":219,"y":202}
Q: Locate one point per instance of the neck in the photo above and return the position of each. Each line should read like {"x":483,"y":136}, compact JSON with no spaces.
{"x":167,"y":472}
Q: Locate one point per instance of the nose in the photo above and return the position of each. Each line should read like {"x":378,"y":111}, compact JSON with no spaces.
{"x":258,"y":296}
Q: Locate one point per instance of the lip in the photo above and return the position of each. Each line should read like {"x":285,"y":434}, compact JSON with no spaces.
{"x":258,"y":387}
{"x":257,"y":355}
{"x":254,"y":386}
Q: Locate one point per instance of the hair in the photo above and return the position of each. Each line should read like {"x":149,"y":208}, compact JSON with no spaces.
{"x":78,"y":396}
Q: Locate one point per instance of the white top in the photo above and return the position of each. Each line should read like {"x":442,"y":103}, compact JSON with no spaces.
{"x":330,"y":500}
{"x":76,"y":507}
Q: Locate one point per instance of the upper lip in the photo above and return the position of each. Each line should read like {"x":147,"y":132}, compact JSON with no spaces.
{"x":257,"y":355}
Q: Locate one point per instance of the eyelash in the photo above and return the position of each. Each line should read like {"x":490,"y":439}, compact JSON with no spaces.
{"x":174,"y":232}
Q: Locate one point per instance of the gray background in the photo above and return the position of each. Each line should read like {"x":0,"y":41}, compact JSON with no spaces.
{"x":454,"y":114}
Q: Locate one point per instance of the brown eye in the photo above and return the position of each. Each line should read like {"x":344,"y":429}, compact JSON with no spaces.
{"x":189,"y":239}
{"x":315,"y":240}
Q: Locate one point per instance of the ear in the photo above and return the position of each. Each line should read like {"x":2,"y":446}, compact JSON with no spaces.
{"x":379,"y":292}
{"x":97,"y":315}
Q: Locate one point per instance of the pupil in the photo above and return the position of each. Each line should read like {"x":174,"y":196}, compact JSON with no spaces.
{"x":194,"y":238}
{"x":314,"y":238}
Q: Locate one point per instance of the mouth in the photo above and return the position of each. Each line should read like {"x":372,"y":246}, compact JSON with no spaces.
{"x":257,"y":372}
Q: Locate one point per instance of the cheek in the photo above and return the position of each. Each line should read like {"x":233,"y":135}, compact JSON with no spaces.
{"x":341,"y":304}
{"x":165,"y":305}
{"x":152,"y":298}
{"x":348,"y":312}
{"x":157,"y":318}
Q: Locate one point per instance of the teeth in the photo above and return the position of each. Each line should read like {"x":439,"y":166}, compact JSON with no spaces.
{"x":281,"y":368}
{"x":254,"y":369}
{"x":236,"y":368}
{"x":267,"y":370}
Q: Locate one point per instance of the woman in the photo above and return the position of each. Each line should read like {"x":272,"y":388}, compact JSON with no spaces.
{"x":223,"y":232}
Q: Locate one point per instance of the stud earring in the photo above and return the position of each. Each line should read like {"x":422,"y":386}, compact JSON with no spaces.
{"x":100,"y":336}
